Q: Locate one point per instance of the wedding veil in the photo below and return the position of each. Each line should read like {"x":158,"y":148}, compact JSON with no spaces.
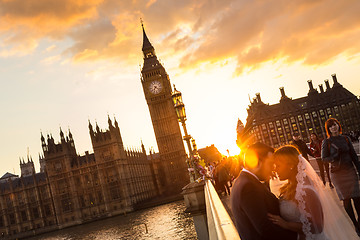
{"x":337,"y":224}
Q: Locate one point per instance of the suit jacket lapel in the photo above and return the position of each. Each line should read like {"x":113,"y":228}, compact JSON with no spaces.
{"x":251,"y":178}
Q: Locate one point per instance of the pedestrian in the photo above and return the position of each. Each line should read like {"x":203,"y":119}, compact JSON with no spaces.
{"x":344,"y":167}
{"x":315,"y":149}
{"x":222,"y":178}
{"x":301,"y":145}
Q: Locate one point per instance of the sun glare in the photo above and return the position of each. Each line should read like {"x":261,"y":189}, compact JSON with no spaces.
{"x":251,"y":160}
{"x":228,"y":149}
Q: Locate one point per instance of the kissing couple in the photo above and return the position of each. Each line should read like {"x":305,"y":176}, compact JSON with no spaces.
{"x":305,"y":210}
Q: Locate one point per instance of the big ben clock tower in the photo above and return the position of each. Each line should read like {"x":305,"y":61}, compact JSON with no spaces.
{"x":157,"y":89}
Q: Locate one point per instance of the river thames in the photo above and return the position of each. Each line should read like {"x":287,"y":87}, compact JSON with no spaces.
{"x":167,"y":221}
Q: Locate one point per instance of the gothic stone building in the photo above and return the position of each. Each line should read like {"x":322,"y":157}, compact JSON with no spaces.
{"x":72,"y":189}
{"x":158,"y":94}
{"x":275,"y":124}
{"x":26,"y":203}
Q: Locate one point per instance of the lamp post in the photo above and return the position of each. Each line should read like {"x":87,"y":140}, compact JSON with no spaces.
{"x":181,"y":115}
{"x":193,"y":193}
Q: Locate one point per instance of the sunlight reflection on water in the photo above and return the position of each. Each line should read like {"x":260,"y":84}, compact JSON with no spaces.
{"x":163,"y":222}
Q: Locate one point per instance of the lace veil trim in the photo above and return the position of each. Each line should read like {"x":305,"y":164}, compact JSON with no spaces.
{"x":300,"y":198}
{"x":337,"y":224}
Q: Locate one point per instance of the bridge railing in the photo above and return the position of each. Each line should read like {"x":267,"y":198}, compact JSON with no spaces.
{"x":220,"y":225}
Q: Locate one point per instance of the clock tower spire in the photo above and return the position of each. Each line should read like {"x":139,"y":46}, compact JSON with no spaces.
{"x":157,"y":90}
{"x":147,"y":48}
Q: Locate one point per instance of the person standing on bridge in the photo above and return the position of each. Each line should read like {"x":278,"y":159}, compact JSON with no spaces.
{"x":301,"y":145}
{"x":339,"y":151}
{"x":315,"y":148}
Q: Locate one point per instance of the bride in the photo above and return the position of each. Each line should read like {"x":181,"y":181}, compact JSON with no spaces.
{"x":305,"y":206}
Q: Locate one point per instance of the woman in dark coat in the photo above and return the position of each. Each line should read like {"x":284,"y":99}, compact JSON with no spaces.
{"x":344,"y":165}
{"x":315,"y":149}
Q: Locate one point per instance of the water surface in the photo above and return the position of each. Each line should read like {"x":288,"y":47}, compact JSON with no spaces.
{"x":162,"y":222}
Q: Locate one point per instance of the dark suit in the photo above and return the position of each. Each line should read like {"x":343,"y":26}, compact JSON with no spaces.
{"x":251,"y":201}
{"x":303,"y":148}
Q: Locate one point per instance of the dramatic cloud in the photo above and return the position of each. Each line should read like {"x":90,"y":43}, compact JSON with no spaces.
{"x":24,"y":23}
{"x":252,"y":31}
{"x":256,"y":32}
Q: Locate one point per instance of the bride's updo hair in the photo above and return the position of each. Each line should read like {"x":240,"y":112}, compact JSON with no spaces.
{"x":290,"y":155}
{"x":287,"y":153}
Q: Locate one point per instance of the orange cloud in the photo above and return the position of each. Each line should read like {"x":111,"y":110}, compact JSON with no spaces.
{"x":196,"y":32}
{"x":256,"y":32}
{"x":23,"y":22}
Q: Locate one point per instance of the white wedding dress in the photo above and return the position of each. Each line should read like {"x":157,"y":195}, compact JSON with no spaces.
{"x":290,"y":212}
{"x":337,"y":225}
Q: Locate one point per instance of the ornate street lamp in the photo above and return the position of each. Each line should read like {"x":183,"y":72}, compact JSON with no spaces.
{"x":194,"y":146}
{"x":180,"y":112}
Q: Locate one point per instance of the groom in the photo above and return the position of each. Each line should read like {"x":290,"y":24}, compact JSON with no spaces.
{"x":251,"y":200}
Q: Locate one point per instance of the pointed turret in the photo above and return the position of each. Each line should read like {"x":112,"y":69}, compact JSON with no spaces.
{"x":109,"y":122}
{"x":97,"y":128}
{"x":239,"y":126}
{"x":42,"y":137}
{"x":70,"y":134}
{"x":143,"y":147}
{"x":147,"y":48}
{"x":258,"y":98}
{"x":27,"y":168}
{"x":146,"y":43}
{"x":91,"y":130}
{"x":62,"y":135}
{"x":43,"y":143}
{"x":151,"y":62}
{"x":70,"y":139}
{"x":116,"y":123}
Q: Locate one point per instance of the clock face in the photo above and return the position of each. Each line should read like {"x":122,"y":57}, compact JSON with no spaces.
{"x":155,"y":87}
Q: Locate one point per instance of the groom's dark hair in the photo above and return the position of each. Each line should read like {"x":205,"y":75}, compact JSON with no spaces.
{"x":260,"y":150}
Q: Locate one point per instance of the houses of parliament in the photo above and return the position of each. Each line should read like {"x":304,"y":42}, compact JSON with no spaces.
{"x":71,"y":189}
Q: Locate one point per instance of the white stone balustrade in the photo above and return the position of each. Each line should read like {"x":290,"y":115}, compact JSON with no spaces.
{"x":220,"y":225}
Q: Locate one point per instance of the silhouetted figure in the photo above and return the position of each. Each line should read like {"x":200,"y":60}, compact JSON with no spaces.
{"x":301,"y":145}
{"x":315,"y":148}
{"x":221,"y":178}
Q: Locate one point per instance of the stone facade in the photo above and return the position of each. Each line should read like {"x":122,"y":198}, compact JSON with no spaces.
{"x":74,"y":189}
{"x":158,"y":94}
{"x":26,"y":205}
{"x":275,"y":124}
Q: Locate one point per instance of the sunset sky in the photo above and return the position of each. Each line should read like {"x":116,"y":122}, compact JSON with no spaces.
{"x":63,"y":63}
